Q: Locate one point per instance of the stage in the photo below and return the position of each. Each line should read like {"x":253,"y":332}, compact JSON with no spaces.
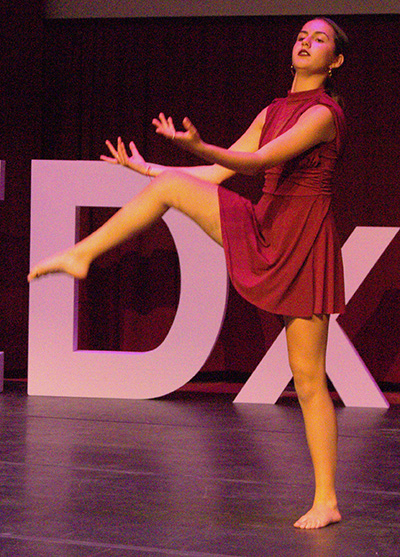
{"x":189,"y":475}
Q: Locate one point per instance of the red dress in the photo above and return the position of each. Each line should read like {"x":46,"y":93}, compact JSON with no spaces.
{"x":283,"y":254}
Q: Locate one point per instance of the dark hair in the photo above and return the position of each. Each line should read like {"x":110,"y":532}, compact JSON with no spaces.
{"x":341,"y":39}
{"x":341,"y":47}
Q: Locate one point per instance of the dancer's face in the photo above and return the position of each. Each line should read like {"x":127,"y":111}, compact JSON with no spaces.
{"x":314,"y":49}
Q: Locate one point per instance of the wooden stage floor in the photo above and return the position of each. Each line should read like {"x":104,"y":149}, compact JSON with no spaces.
{"x":192,"y":475}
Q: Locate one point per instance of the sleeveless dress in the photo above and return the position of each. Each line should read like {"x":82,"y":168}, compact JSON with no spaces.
{"x":283,"y":253}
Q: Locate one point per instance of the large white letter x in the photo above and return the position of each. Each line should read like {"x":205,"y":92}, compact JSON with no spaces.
{"x":348,"y":373}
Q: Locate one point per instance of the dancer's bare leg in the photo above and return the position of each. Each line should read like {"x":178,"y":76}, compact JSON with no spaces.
{"x":196,"y":198}
{"x":307,"y":339}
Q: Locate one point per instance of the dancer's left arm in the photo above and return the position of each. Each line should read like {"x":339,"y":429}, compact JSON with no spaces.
{"x":315,"y":126}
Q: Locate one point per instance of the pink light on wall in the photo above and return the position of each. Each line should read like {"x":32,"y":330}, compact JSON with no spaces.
{"x":2,"y":193}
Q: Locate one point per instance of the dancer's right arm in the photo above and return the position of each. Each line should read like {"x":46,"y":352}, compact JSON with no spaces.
{"x":215,"y":173}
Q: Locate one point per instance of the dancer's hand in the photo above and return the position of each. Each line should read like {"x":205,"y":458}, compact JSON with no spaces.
{"x":189,"y":139}
{"x":120,"y":156}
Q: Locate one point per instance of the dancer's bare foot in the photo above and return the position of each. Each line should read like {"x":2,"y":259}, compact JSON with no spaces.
{"x":69,"y":262}
{"x":318,"y":516}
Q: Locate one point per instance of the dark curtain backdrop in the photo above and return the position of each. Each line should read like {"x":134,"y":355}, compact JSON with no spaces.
{"x":21,"y":39}
{"x":104,"y":78}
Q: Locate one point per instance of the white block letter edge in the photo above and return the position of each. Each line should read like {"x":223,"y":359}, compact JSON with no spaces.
{"x":2,"y":193}
{"x":54,"y":367}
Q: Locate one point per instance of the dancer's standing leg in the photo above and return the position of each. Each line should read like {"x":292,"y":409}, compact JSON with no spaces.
{"x":307,"y":340}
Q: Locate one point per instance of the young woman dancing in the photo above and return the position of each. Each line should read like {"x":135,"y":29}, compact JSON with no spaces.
{"x":283,"y":253}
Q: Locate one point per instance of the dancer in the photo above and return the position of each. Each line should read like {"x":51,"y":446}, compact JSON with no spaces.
{"x":283,"y":253}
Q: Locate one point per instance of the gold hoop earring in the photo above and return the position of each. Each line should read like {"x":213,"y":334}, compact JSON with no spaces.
{"x":330,"y":72}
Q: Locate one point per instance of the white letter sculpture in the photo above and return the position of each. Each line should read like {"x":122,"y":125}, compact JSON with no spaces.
{"x":2,"y":193}
{"x":56,"y":368}
{"x":348,"y":373}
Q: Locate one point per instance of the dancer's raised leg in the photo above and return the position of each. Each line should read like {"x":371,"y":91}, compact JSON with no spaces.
{"x":194,"y":197}
{"x":307,"y":340}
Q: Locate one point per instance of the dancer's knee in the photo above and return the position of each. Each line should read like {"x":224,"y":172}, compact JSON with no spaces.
{"x":309,"y":379}
{"x":167,"y":186}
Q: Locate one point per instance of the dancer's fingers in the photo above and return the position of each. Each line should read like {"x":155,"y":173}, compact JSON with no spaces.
{"x":187,"y":124}
{"x":122,"y":154}
{"x":133,"y":148}
{"x":111,"y":160}
{"x":163,"y":119}
{"x":111,"y":148}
